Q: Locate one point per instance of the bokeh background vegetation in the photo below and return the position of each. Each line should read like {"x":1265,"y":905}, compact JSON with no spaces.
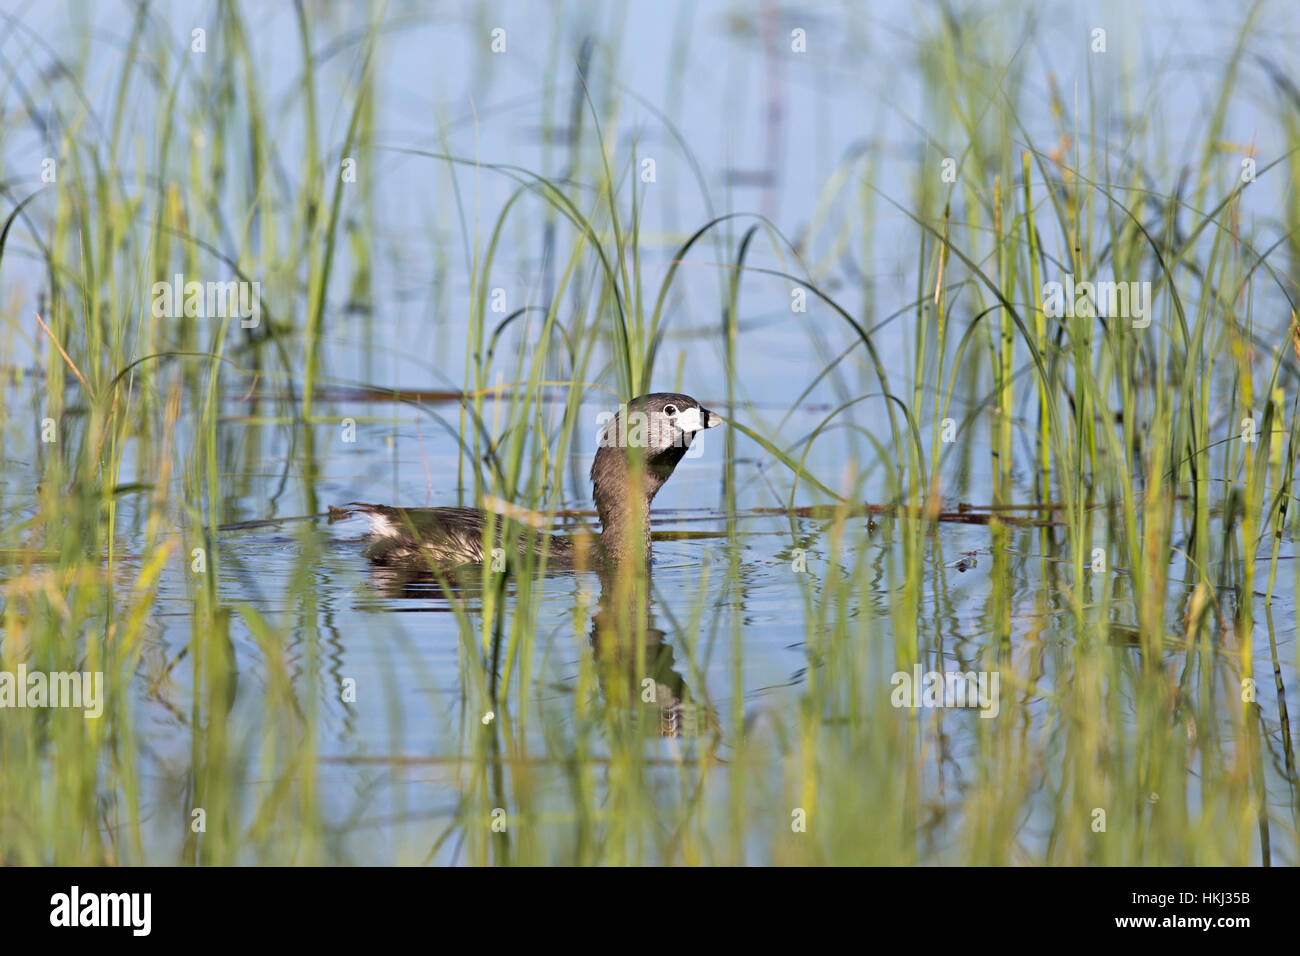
{"x":829,"y":223}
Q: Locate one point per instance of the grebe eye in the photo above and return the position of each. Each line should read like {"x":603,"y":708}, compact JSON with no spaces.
{"x":670,"y":409}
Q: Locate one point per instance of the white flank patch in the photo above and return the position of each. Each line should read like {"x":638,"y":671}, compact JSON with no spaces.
{"x":380,"y":526}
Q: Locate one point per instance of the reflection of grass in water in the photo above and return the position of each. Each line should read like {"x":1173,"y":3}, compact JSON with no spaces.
{"x":1120,"y":687}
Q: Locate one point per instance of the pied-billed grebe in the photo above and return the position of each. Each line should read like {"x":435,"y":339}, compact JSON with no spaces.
{"x":645,"y":440}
